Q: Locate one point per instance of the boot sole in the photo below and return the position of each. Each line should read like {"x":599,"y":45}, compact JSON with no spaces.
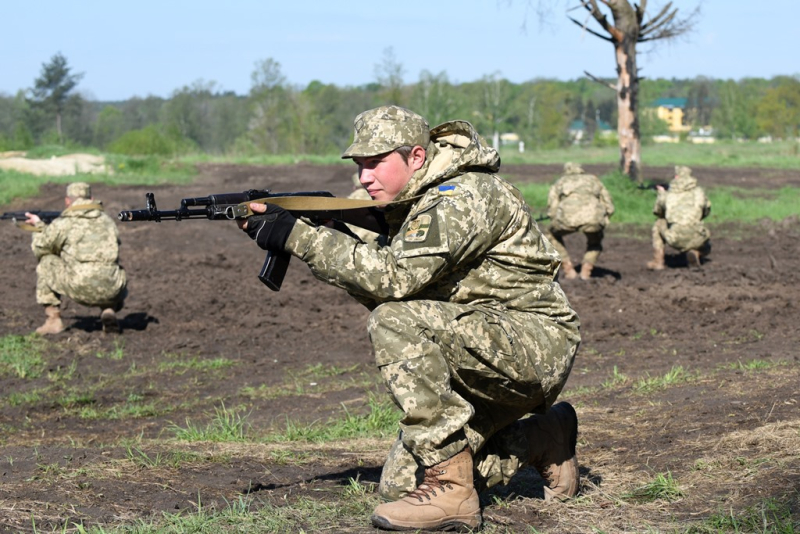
{"x":452,"y":524}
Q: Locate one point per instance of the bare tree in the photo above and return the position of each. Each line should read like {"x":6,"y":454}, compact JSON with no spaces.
{"x":629,"y":28}
{"x":389,"y":75}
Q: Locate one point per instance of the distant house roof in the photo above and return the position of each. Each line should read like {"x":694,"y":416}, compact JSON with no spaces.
{"x":670,"y":103}
{"x":579,"y":125}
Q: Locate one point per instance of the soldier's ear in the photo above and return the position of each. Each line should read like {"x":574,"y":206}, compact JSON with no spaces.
{"x":416,"y":159}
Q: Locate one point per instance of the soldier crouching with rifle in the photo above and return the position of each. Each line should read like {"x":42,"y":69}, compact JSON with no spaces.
{"x":78,"y":255}
{"x":472,"y":334}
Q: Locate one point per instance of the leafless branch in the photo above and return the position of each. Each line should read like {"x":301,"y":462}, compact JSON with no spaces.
{"x":661,"y":13}
{"x":665,"y":26}
{"x":598,"y":80}
{"x":583,"y":26}
{"x":654,"y":25}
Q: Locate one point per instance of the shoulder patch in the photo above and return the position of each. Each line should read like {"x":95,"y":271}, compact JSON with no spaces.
{"x":417,"y":230}
{"x":447,"y":190}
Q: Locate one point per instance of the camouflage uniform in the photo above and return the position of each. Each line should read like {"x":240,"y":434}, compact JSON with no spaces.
{"x":469,"y":328}
{"x":78,"y":254}
{"x":578,"y":202}
{"x":680,"y":211}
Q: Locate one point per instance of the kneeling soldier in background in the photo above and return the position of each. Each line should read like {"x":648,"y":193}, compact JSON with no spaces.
{"x":78,"y":257}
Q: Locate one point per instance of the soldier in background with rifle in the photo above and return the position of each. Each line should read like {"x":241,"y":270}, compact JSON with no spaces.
{"x":578,"y":203}
{"x":78,"y":255}
{"x":681,"y":209}
{"x":472,"y":334}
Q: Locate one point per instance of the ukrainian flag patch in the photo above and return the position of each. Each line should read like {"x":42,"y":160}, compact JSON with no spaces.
{"x":447,"y":190}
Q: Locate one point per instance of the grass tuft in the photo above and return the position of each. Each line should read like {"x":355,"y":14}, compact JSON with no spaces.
{"x":21,"y":356}
{"x":225,"y":425}
{"x":663,"y":487}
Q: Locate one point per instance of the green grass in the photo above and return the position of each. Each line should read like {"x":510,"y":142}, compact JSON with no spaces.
{"x":379,"y":422}
{"x":737,"y":205}
{"x":172,"y":459}
{"x":777,"y":155}
{"x":225,"y":425}
{"x":196,"y":364}
{"x":245,"y":514}
{"x":634,"y":206}
{"x":315,"y":379}
{"x":126,"y":171}
{"x":663,"y":487}
{"x":116,"y":354}
{"x":768,"y":516}
{"x":21,"y":356}
{"x":751,"y":365}
{"x":676,"y":375}
{"x":270,"y":159}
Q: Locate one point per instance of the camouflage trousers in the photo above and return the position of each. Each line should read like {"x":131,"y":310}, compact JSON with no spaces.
{"x":89,"y":284}
{"x":681,"y":237}
{"x":594,"y":243}
{"x":463,"y":375}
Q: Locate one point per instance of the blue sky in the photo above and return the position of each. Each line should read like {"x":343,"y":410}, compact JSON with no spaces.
{"x":148,"y":47}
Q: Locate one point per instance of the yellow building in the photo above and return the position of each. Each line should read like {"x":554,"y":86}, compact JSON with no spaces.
{"x":673,"y":112}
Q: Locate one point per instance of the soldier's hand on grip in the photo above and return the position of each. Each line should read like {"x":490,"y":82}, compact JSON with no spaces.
{"x":271,"y":228}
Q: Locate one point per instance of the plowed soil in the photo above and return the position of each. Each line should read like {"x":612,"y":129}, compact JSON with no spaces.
{"x":694,"y":373}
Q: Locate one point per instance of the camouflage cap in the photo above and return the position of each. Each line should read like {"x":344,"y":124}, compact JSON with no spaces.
{"x":79,"y":190}
{"x":383,"y":129}
{"x":682,"y":171}
{"x":573,"y":168}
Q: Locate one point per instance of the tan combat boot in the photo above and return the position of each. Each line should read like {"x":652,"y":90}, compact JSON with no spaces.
{"x":657,"y":264}
{"x":569,"y":270}
{"x":445,"y":500}
{"x":586,"y":270}
{"x":552,"y":438}
{"x":693,"y":259}
{"x":52,"y":324}
{"x":109,"y":320}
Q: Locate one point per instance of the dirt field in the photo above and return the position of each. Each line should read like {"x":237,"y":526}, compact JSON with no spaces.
{"x":693,"y":374}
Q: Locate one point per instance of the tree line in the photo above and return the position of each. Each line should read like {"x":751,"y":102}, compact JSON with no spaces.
{"x":277,"y":117}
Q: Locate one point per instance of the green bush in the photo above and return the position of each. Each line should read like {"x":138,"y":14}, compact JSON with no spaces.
{"x":149,"y":141}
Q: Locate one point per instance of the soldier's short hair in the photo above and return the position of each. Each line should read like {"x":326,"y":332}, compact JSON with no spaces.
{"x":79,"y":190}
{"x":387,"y":128}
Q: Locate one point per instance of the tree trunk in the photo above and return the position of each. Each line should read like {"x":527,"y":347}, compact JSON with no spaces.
{"x":627,"y":108}
{"x":58,"y":127}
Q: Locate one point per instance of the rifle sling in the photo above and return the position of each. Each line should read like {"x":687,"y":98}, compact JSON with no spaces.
{"x":362,"y":213}
{"x":302,"y":203}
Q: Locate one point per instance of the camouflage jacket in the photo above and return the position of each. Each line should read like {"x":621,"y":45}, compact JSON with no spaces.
{"x":82,"y":234}
{"x":684,"y":203}
{"x":579,"y":200}
{"x":464,"y":235}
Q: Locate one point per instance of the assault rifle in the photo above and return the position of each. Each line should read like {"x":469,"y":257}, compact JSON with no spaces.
{"x":654,"y":185}
{"x":318,"y":207}
{"x":19,"y":216}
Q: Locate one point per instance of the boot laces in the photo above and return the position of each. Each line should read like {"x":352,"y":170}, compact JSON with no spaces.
{"x":430,"y":483}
